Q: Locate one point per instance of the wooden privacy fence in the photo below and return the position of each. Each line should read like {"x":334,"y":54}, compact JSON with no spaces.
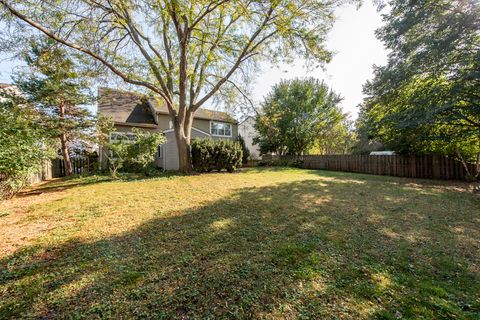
{"x":425,"y":167}
{"x":79,"y":165}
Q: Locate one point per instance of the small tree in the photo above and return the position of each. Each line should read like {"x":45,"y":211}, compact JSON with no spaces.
{"x":52,"y":83}
{"x":246,"y":152}
{"x":24,"y":144}
{"x":138,"y":152}
{"x":118,"y":154}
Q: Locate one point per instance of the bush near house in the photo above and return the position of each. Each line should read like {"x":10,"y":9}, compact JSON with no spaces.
{"x":245,"y":151}
{"x":209,"y":154}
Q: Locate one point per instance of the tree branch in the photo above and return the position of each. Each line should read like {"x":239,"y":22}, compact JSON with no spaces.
{"x":246,"y":50}
{"x":95,"y":56}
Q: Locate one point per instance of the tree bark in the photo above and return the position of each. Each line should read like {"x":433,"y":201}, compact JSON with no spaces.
{"x":184,"y":157}
{"x":183,"y":128}
{"x":64,"y":142}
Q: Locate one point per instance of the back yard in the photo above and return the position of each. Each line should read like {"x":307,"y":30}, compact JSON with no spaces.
{"x":265,"y":243}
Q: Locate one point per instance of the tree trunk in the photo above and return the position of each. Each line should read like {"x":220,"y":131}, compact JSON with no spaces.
{"x":63,"y":141}
{"x":182,"y":134}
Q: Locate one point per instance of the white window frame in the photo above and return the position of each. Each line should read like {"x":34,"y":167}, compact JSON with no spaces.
{"x":130,"y":136}
{"x":222,"y":123}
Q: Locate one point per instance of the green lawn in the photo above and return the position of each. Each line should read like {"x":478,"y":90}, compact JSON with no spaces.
{"x":265,"y":243}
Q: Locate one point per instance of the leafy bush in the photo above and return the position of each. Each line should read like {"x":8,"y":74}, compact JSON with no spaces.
{"x":209,"y":154}
{"x":24,"y":143}
{"x":135,"y":155}
{"x":281,"y":163}
{"x":246,"y":152}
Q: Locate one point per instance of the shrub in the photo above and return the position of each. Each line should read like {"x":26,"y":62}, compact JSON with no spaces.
{"x":208,"y":155}
{"x":246,"y":152}
{"x":135,"y":155}
{"x":281,"y":163}
{"x":24,"y":143}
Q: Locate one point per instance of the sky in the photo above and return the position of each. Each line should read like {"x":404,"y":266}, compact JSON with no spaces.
{"x":356,"y":51}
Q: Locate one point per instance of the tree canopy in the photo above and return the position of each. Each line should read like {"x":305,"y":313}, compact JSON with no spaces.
{"x":426,"y":99}
{"x":295,"y":115}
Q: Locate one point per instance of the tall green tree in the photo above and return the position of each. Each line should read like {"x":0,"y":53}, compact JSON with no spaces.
{"x":184,"y":52}
{"x":295,"y":115}
{"x":51,"y":82}
{"x":339,"y":138}
{"x":426,"y":99}
{"x":24,"y":142}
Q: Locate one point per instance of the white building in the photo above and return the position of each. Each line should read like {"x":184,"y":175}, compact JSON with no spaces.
{"x":248,"y":132}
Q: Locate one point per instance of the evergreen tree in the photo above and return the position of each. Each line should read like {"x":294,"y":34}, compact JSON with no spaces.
{"x":52,"y":83}
{"x":246,"y":152}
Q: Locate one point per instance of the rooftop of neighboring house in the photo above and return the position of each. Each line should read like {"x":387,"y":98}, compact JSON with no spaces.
{"x":5,"y":85}
{"x":139,"y":109}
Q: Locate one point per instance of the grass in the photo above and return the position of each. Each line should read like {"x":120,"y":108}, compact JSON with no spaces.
{"x":264,"y":243}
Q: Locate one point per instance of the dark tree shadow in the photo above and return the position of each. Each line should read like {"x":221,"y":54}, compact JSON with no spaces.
{"x":309,"y":249}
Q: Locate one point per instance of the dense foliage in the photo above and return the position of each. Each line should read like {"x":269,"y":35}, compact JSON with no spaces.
{"x":184,"y":52}
{"x":52,"y":83}
{"x":24,"y":143}
{"x":209,"y":154}
{"x":245,"y":151}
{"x":426,"y":99}
{"x":134,"y":152}
{"x":297,"y":115}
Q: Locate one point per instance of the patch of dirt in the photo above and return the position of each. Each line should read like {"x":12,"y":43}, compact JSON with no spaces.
{"x":16,"y":230}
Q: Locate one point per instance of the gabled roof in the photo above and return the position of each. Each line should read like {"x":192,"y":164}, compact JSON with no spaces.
{"x":124,"y":106}
{"x":161,"y":108}
{"x":132,"y":107}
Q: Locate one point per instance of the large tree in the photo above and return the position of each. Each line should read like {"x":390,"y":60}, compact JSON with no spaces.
{"x":182,"y":51}
{"x":296,"y":115}
{"x":426,"y":99}
{"x":52,"y":82}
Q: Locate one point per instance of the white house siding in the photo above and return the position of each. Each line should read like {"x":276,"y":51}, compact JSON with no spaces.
{"x":248,"y":132}
{"x":170,"y":161}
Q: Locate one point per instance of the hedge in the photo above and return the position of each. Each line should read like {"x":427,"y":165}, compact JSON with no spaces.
{"x":209,"y":154}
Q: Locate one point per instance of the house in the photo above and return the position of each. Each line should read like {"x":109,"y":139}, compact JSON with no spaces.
{"x":247,"y":130}
{"x":133,"y":110}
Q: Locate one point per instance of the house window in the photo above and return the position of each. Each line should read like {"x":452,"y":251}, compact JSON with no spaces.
{"x":160,"y":151}
{"x":170,"y":124}
{"x":116,"y":137}
{"x":220,"y":129}
{"x":119,"y":136}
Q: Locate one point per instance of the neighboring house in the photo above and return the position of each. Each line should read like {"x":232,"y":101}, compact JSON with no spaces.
{"x":133,"y":110}
{"x":247,"y":130}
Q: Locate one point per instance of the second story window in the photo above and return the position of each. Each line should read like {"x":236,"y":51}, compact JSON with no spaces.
{"x":220,"y":129}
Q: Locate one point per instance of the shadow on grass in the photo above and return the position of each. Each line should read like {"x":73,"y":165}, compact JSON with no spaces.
{"x":307,"y":249}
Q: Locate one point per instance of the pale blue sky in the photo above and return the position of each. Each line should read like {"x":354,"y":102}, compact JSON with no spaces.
{"x":353,"y":40}
{"x":357,"y":50}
